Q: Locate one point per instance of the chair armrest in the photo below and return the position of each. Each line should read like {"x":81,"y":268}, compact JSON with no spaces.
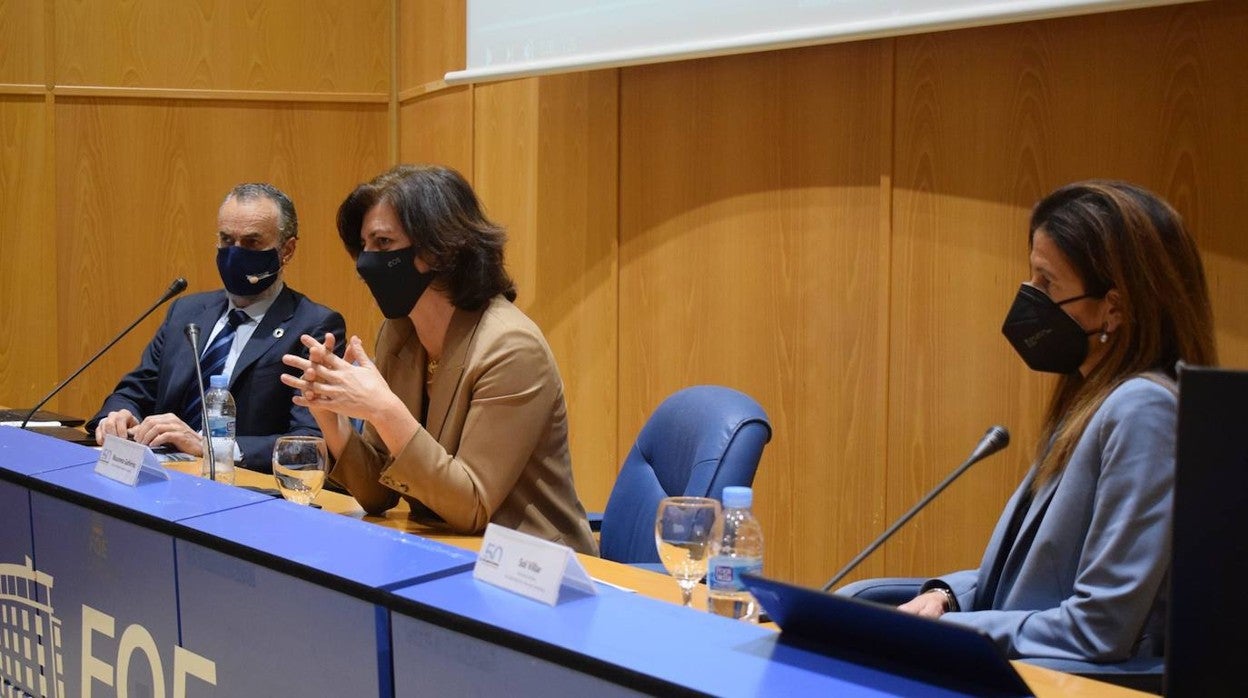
{"x":893,"y":591}
{"x":595,"y":521}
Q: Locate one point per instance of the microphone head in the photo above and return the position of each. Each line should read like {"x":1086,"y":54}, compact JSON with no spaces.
{"x":995,"y":439}
{"x":178,"y":286}
{"x":998,"y":436}
{"x":192,"y":332}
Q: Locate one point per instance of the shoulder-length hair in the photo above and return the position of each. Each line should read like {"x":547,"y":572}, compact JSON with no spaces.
{"x":1120,"y":237}
{"x":441,"y":215}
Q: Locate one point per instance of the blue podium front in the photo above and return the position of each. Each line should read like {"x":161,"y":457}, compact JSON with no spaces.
{"x":616,"y":638}
{"x":107,"y":551}
{"x":25,"y":615}
{"x":184,"y":587}
{"x":294,"y":608}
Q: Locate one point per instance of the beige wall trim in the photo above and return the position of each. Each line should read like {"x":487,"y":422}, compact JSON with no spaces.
{"x":220,"y":95}
{"x":15,"y":89}
{"x":413,"y":93}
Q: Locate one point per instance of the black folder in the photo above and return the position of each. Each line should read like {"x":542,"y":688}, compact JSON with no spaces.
{"x":71,"y":434}
{"x":19,"y":414}
{"x":943,"y":654}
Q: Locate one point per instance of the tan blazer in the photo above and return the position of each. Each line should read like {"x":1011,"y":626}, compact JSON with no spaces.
{"x":494,"y":446}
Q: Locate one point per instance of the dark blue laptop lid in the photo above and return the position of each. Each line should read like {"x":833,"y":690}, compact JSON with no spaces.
{"x":946,"y":655}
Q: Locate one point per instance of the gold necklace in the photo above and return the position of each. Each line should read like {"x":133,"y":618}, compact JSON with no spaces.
{"x":430,"y":368}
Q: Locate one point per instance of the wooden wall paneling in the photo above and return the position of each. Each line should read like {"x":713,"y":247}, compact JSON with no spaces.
{"x":988,"y":121}
{"x":286,"y":45}
{"x":138,"y":184}
{"x":28,"y":256}
{"x":753,"y":255}
{"x":505,"y":165}
{"x":431,"y":40}
{"x":436,"y":128}
{"x":21,"y":42}
{"x":574,"y":294}
{"x":545,"y":168}
{"x":1202,"y":113}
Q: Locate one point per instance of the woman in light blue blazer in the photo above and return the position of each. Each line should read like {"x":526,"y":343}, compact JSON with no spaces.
{"x":1076,"y":567}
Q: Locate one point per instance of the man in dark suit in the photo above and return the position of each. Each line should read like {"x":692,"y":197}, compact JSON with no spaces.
{"x":245,"y":330}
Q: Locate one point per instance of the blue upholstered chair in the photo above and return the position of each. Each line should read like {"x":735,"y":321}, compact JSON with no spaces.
{"x":698,"y":441}
{"x":1139,"y":673}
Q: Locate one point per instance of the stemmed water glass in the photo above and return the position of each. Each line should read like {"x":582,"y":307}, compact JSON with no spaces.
{"x":299,"y":464}
{"x":687,"y":531}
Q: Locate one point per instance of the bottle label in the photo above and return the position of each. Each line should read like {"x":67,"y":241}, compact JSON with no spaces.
{"x":724,"y":573}
{"x":220,"y":426}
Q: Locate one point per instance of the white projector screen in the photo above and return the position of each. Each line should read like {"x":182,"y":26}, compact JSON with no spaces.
{"x":518,"y":38}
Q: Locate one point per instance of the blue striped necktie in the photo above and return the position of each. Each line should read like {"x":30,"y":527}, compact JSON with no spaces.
{"x":213,"y":362}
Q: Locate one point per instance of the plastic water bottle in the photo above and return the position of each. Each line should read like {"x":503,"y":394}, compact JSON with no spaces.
{"x":219,"y":406}
{"x":740,"y":551}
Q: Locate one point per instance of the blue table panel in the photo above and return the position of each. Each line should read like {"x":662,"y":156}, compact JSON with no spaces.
{"x":337,"y":545}
{"x":15,"y":543}
{"x":23,"y":614}
{"x":112,"y":592}
{"x":680,"y":646}
{"x":180,"y":497}
{"x":270,"y":634}
{"x":28,"y":453}
{"x":430,"y":660}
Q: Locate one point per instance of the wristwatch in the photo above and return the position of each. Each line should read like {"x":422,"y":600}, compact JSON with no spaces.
{"x":950,"y":601}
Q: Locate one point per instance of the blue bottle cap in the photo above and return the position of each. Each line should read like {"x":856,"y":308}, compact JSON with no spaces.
{"x":738,"y":497}
{"x":219,"y":381}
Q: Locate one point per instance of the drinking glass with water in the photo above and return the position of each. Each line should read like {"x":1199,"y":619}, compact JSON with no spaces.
{"x":687,"y":532}
{"x":299,"y":464}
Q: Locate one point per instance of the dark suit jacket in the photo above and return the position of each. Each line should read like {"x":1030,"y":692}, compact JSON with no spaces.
{"x":166,"y":371}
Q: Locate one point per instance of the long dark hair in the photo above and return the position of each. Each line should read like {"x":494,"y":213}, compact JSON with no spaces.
{"x":1121,"y":237}
{"x":441,"y":215}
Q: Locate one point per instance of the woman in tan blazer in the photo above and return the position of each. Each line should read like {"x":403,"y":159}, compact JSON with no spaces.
{"x":464,"y":408}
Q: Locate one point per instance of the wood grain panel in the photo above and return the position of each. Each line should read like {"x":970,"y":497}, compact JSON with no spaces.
{"x":754,"y":254}
{"x":137,"y":188}
{"x":297,"y":45}
{"x":988,"y":121}
{"x":436,"y":129}
{"x":21,"y":42}
{"x":546,"y":168}
{"x":574,"y":295}
{"x":432,"y":40}
{"x":27,"y":256}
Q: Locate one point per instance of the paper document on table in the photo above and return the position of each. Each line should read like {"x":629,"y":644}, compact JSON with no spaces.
{"x":18,"y":423}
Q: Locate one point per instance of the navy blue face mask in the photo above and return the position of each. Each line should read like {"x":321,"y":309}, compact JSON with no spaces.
{"x":395,"y":282}
{"x":1047,"y":337}
{"x":247,"y":272}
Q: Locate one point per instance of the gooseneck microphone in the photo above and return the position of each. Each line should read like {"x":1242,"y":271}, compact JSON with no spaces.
{"x":996,"y":439}
{"x":178,"y":286}
{"x":192,"y":336}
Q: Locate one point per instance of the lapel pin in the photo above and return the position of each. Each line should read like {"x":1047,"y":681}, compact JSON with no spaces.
{"x":277,"y":333}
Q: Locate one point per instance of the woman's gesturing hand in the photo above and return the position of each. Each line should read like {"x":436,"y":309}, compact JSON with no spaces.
{"x":350,"y":386}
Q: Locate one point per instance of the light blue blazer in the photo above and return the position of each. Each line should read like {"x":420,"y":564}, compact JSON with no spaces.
{"x":1086,"y":576}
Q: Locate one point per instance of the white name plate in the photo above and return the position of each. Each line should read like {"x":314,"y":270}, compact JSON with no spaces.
{"x":529,"y":566}
{"x":122,"y":460}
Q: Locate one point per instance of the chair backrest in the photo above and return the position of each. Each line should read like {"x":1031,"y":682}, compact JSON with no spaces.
{"x":698,"y":441}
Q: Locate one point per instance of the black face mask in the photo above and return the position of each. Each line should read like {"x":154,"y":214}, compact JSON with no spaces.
{"x":394,"y":280}
{"x":247,"y":272}
{"x":1046,"y":336}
